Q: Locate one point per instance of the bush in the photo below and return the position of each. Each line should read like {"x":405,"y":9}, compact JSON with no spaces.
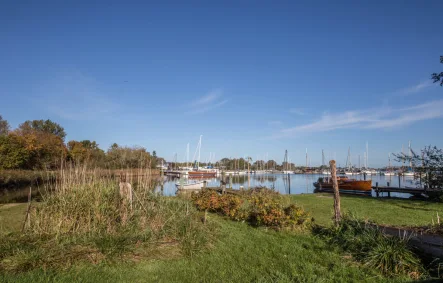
{"x":258,"y":206}
{"x":369,"y":245}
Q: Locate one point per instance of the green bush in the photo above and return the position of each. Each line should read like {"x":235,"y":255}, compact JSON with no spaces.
{"x":369,"y":245}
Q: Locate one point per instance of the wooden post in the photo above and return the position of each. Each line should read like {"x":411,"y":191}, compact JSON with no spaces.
{"x":230,"y":181}
{"x":399,"y":179}
{"x":289,"y":182}
{"x":376,"y":189}
{"x":337,"y":217}
{"x":28,"y":218}
{"x":364,"y":176}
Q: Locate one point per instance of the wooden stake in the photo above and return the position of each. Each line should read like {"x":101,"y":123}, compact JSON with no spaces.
{"x":337,"y":215}
{"x":28,"y":218}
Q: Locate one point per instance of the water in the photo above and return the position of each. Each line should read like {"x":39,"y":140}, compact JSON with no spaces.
{"x":298,"y":184}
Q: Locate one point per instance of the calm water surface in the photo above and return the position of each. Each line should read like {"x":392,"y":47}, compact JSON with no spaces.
{"x":295,"y":184}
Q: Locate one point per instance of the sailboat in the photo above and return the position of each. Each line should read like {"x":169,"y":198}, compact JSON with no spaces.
{"x":198,"y":172}
{"x":349,"y":164}
{"x":286,"y":165}
{"x":410,"y":172}
{"x":326,"y":171}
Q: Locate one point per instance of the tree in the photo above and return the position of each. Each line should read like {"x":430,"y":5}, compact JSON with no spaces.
{"x":86,"y":151}
{"x":438,"y":77}
{"x":4,"y":126}
{"x":13,"y":152}
{"x":429,"y":167}
{"x":44,"y":126}
{"x":46,"y":149}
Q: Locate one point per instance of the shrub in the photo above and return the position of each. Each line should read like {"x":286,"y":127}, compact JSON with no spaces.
{"x":259,"y":206}
{"x":390,"y":255}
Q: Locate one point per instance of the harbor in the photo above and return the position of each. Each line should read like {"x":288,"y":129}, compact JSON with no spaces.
{"x":291,"y":183}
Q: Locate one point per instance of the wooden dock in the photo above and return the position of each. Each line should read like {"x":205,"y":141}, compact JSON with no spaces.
{"x":406,"y":190}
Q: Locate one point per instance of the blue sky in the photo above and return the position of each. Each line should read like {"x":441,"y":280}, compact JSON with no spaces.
{"x":253,"y":77}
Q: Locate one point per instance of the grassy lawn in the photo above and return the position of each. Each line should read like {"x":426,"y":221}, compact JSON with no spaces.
{"x":393,"y":212}
{"x":242,"y":254}
{"x":12,"y":217}
{"x":246,"y":254}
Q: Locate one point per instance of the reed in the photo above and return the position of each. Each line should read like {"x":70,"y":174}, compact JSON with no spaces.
{"x":83,"y":217}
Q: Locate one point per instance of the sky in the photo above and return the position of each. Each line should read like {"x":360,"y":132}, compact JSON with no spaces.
{"x":254,"y":78}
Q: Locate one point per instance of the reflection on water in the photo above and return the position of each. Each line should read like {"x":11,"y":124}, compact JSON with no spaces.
{"x":292,"y":184}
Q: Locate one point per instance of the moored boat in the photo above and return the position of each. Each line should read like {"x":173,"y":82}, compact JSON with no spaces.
{"x":189,"y":185}
{"x":202,"y":174}
{"x":345,"y":185}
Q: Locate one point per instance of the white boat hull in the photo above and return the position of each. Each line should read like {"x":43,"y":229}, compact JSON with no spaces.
{"x":189,"y":186}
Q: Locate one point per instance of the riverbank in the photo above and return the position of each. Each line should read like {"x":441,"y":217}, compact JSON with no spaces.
{"x":242,"y":253}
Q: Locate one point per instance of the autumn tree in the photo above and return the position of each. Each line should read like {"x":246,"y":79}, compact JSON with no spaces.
{"x":44,"y":143}
{"x":13,"y":152}
{"x":86,"y":151}
{"x":4,"y":126}
{"x":45,"y":126}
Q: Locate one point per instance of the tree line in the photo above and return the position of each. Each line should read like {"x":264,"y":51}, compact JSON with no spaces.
{"x":40,"y":145}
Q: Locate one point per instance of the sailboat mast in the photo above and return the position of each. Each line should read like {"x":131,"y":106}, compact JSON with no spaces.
{"x":199,"y":148}
{"x":367,"y":155}
{"x":410,"y":155}
{"x":187,"y":156}
{"x":306,"y":157}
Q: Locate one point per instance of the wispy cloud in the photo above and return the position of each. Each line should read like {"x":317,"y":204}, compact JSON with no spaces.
{"x":417,"y":88}
{"x":210,"y":101}
{"x":383,"y":118}
{"x":297,"y":111}
{"x":75,"y":96}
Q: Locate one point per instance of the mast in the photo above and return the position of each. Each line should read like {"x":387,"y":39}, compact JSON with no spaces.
{"x":359,"y":167}
{"x":367,"y":155}
{"x":285,"y":161}
{"x":306,"y":157}
{"x":348,"y":160}
{"x":410,"y":155}
{"x":402,"y":154}
{"x":389,"y":165}
{"x":322,"y":158}
{"x":187,"y":156}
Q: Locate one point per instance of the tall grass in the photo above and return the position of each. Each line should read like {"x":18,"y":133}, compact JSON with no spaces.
{"x":374,"y":249}
{"x":83,"y":217}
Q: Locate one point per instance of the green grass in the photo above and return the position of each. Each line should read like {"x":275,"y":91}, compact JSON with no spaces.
{"x":242,"y":254}
{"x":392,"y":212}
{"x":12,"y":217}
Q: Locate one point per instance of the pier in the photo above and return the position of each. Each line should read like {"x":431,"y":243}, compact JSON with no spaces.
{"x":407,"y":190}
